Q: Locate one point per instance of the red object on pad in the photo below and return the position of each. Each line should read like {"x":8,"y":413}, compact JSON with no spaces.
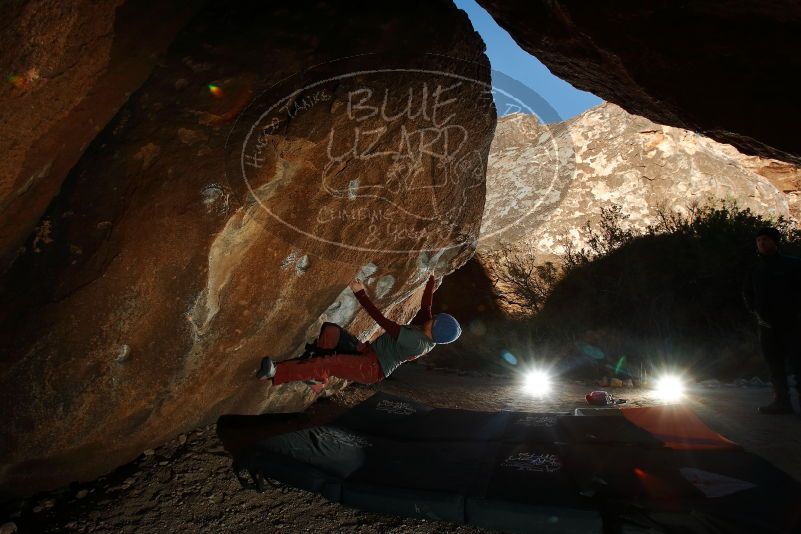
{"x":678,"y":427}
{"x":599,"y":398}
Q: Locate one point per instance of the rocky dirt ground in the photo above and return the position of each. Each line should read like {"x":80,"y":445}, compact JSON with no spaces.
{"x":187,"y":485}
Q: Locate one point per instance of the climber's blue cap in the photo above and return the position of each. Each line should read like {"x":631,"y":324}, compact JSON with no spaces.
{"x":445,"y":329}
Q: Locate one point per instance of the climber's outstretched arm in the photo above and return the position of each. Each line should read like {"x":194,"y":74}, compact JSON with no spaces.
{"x":391,"y":327}
{"x":424,"y":314}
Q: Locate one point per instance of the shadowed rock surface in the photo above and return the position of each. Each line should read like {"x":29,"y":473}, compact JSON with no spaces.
{"x":70,"y":66}
{"x":160,"y":276}
{"x":726,"y":71}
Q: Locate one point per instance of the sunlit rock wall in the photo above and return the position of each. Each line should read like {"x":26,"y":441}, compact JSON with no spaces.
{"x":616,"y":158}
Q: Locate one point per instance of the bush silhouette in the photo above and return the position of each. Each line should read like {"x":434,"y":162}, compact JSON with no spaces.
{"x":669,"y":295}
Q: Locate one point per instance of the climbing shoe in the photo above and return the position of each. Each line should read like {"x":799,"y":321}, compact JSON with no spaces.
{"x":267,"y":369}
{"x":777,"y":407}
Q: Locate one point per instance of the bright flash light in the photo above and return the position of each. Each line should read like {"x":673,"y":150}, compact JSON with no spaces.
{"x":537,"y":382}
{"x":669,"y":388}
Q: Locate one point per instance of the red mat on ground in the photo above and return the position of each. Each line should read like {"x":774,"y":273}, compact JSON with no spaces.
{"x":678,"y":427}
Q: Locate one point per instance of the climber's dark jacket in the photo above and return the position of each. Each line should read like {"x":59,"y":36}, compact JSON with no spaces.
{"x":773,"y":290}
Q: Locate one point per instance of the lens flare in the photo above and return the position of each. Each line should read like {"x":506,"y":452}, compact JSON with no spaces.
{"x":17,"y":81}
{"x":215,"y":90}
{"x":509,"y":358}
{"x":537,"y":382}
{"x":669,"y":388}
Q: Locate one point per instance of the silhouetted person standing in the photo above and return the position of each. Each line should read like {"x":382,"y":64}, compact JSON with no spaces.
{"x":773,"y":294}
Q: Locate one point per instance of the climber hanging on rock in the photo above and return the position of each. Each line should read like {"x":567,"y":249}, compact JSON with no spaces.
{"x":336,"y":352}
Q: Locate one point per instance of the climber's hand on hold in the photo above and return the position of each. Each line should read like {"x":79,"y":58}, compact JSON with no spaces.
{"x":356,"y":285}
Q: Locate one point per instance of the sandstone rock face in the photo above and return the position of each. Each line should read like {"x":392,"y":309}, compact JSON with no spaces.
{"x":68,"y":67}
{"x":221,"y":215}
{"x":618,"y":158}
{"x":785,"y":176}
{"x":726,"y":71}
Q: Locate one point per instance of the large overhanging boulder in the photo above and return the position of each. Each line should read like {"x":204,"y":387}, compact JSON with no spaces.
{"x":727,"y":70}
{"x":221,"y":215}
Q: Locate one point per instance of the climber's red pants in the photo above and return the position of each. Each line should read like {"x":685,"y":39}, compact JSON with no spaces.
{"x":362,"y":368}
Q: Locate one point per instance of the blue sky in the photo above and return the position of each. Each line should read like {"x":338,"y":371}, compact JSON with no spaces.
{"x":508,"y":58}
